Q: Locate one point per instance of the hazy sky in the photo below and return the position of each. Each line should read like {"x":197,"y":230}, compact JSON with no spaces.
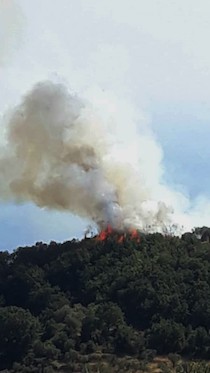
{"x":154,"y":53}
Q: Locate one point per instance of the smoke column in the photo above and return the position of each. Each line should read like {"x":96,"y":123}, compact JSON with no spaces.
{"x":66,"y":153}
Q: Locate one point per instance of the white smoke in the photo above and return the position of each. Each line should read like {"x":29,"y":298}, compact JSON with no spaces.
{"x":61,"y":153}
{"x":88,"y":157}
{"x":93,"y":156}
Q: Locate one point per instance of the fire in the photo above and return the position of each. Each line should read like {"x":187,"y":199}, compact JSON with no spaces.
{"x":120,"y":237}
{"x":103,"y":235}
{"x":135,"y":235}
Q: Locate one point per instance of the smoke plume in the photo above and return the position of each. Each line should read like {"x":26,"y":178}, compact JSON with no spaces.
{"x":63,"y":153}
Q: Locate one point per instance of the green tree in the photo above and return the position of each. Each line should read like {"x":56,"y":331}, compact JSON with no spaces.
{"x":167,"y":336}
{"x":18,"y":329}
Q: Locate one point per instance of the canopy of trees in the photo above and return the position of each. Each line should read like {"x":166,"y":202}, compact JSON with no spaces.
{"x":61,"y":301}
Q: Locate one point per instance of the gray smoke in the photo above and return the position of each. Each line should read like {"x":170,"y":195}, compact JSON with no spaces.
{"x":62,"y":152}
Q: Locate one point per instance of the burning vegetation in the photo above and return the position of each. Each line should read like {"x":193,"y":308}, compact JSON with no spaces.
{"x":120,"y":236}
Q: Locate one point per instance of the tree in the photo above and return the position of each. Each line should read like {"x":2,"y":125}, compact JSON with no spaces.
{"x":167,"y":336}
{"x":18,"y":329}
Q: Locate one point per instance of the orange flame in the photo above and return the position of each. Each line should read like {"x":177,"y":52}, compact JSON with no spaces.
{"x":105,"y":233}
{"x":121,"y":238}
{"x":135,"y":235}
{"x":132,"y":234}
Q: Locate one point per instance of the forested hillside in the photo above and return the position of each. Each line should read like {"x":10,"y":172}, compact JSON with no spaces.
{"x":62,"y":305}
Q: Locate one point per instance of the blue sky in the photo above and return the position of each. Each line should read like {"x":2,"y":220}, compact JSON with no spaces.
{"x":155,"y":53}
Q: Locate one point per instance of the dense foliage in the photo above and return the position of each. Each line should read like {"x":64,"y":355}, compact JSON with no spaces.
{"x":60,"y":303}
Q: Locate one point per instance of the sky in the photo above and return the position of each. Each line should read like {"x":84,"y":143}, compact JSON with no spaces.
{"x":154,"y":53}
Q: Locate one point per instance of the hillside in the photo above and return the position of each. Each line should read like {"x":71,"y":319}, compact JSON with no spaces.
{"x":106,"y":305}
